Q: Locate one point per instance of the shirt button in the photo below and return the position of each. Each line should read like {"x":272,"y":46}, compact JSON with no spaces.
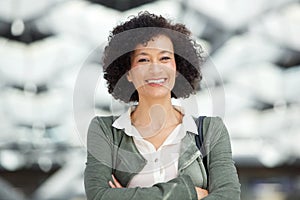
{"x":156,"y":160}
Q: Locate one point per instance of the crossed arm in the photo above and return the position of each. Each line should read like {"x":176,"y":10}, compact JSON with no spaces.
{"x":201,"y":193}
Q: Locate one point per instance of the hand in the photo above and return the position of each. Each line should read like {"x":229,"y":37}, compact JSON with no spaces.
{"x":201,"y":193}
{"x":114,"y":184}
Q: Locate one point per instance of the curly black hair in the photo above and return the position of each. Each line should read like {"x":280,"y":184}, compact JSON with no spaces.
{"x":139,"y":30}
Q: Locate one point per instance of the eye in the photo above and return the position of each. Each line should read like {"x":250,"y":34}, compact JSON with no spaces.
{"x":143,"y":60}
{"x":165,"y":58}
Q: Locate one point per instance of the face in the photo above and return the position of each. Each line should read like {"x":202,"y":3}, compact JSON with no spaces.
{"x":153,"y":68}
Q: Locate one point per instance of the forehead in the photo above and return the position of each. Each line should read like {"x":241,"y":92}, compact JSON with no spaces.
{"x":160,"y":42}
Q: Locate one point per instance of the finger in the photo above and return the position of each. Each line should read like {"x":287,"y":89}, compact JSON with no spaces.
{"x":111,"y":184}
{"x":116,"y":182}
{"x":201,"y":193}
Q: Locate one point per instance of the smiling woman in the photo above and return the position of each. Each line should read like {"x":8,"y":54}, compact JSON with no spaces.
{"x":136,"y":34}
{"x":153,"y":69}
{"x":150,"y":151}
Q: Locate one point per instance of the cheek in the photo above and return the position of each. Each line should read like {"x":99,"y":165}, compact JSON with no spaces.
{"x":173,"y":65}
{"x":171,"y":71}
{"x":137,"y":73}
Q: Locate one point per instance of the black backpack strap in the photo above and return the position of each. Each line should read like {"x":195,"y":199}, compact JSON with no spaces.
{"x":199,"y":142}
{"x":199,"y":138}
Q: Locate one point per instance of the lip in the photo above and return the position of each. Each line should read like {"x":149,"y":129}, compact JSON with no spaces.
{"x":156,"y":81}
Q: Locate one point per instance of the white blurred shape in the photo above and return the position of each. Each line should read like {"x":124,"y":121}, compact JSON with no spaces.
{"x":240,"y":51}
{"x":237,"y":99}
{"x":88,"y":22}
{"x":282,"y":27}
{"x":234,"y":14}
{"x":294,"y":136}
{"x":11,"y":160}
{"x":70,"y":135}
{"x":270,"y":155}
{"x":6,"y":126}
{"x":45,"y":163}
{"x":39,"y":62}
{"x":264,"y":80}
{"x":26,"y":10}
{"x":17,"y":27}
{"x":247,"y":148}
{"x":244,"y":124}
{"x":49,"y":108}
{"x":291,"y":83}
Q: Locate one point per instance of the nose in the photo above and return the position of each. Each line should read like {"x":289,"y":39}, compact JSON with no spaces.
{"x":155,"y":68}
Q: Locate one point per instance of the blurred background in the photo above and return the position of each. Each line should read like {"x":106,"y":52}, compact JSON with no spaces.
{"x":252,"y":80}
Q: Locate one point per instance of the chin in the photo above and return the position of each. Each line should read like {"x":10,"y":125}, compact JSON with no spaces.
{"x":155,"y":93}
{"x":158,"y":95}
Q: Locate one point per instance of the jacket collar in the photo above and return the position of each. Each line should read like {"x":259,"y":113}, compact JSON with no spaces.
{"x":124,"y":122}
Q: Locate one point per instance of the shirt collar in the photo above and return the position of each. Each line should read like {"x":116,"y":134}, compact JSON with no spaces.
{"x":124,"y":122}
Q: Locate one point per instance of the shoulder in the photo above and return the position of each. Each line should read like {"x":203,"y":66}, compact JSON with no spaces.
{"x":101,"y":133}
{"x":214,"y":126}
{"x":213,"y":122}
{"x":216,"y":136}
{"x":103,"y":120}
{"x":102,"y":125}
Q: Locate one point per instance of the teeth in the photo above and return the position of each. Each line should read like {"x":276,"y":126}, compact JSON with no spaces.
{"x":157,"y":81}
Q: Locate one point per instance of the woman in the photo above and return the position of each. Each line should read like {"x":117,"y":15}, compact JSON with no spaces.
{"x":150,"y":152}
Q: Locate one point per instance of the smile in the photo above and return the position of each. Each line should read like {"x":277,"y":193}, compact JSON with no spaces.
{"x":156,"y":81}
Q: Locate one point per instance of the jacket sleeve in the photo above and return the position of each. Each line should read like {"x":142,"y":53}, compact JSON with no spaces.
{"x":223,"y":179}
{"x":99,"y":169}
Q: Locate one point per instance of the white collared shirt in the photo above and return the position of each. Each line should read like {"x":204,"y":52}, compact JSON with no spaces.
{"x":162,"y":164}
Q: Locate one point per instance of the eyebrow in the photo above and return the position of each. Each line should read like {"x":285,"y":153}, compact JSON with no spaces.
{"x":145,"y":54}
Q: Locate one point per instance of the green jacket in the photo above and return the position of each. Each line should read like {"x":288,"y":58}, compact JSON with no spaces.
{"x":111,"y":151}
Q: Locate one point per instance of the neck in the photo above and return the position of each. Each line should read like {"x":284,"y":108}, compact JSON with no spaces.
{"x":155,"y":113}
